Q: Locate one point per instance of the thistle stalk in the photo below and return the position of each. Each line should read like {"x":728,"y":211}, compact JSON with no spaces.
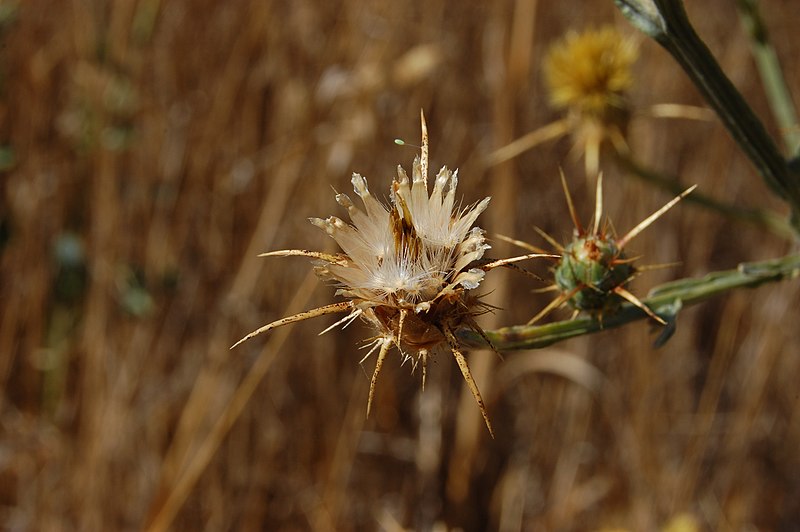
{"x":665,"y":300}
{"x":666,"y":22}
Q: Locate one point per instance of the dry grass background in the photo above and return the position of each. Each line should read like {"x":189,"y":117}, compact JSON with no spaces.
{"x":159,"y":146}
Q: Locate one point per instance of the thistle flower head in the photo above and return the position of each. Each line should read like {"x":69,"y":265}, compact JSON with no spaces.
{"x":406,"y":268}
{"x":589,"y":72}
{"x":588,"y":75}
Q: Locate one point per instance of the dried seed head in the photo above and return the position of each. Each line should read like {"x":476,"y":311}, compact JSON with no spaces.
{"x":413,"y":253}
{"x":407,"y":268}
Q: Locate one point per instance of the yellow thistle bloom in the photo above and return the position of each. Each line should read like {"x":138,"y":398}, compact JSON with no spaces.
{"x":588,"y":75}
{"x":589,"y":72}
{"x":407,"y":269}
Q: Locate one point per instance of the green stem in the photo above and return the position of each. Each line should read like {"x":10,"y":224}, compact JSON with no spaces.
{"x":780,"y":101}
{"x":762,"y":218}
{"x":665,"y":300}
{"x":666,"y":22}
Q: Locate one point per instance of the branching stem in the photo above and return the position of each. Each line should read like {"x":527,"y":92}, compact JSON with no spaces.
{"x":665,"y":300}
{"x":666,"y":22}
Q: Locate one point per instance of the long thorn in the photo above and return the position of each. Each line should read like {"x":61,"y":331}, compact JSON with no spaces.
{"x":334,"y":259}
{"x":554,"y":304}
{"x":465,"y":372}
{"x":551,"y":288}
{"x":550,"y":240}
{"x":403,"y":314}
{"x":478,"y":329}
{"x":376,"y":343}
{"x":571,"y":206}
{"x":620,"y":291}
{"x":652,"y":218}
{"x":424,"y":150}
{"x":506,"y":262}
{"x":520,"y":243}
{"x":349,"y":319}
{"x":598,"y":204}
{"x":627,"y":260}
{"x":651,"y":267}
{"x":378,"y":365}
{"x":321,"y":311}
{"x":523,"y":271}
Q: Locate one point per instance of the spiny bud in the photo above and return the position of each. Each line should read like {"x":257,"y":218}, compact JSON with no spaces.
{"x":591,"y":268}
{"x":593,"y":271}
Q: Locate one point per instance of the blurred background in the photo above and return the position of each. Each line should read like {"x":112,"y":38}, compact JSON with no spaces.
{"x":150,"y":150}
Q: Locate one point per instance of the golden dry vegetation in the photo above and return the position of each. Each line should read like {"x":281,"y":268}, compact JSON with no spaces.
{"x":150,"y":150}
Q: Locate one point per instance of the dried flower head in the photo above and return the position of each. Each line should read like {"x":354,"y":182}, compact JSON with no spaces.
{"x":408,"y":269}
{"x":593,"y":271}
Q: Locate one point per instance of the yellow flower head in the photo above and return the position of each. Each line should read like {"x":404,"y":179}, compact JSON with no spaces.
{"x":589,"y":72}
